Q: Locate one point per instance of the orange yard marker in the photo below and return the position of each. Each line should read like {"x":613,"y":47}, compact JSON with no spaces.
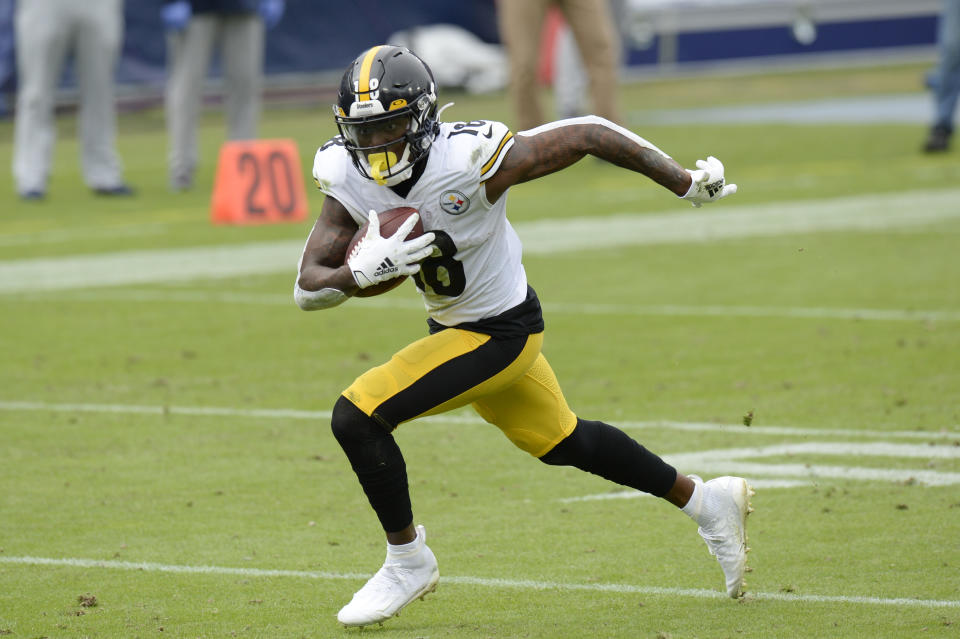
{"x":258,"y":182}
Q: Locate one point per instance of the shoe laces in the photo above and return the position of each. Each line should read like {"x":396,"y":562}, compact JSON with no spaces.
{"x":387,"y":578}
{"x":391,"y":575}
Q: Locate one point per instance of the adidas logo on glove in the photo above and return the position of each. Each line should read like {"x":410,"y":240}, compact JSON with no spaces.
{"x":386,"y":267}
{"x":713,"y":188}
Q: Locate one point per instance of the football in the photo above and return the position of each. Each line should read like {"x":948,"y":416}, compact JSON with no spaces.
{"x":390,"y":221}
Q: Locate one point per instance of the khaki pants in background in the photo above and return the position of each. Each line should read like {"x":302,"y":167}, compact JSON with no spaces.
{"x":521,"y":23}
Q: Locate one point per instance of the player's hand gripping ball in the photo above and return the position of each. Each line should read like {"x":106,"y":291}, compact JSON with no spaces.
{"x":381,"y":261}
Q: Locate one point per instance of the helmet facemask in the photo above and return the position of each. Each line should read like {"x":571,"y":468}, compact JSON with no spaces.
{"x":387,"y":118}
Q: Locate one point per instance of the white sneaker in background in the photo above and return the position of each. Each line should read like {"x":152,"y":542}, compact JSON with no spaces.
{"x":402,"y":578}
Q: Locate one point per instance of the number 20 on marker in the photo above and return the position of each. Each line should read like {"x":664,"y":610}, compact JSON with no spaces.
{"x":258,"y":182}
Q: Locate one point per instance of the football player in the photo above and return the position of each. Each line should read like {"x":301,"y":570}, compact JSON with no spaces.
{"x":486,"y":326}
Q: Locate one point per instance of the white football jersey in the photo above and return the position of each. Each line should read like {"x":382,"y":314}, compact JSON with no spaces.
{"x":479,"y":274}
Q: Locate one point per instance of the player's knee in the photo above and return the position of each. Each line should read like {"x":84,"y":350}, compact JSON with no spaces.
{"x":610,"y":453}
{"x":367,"y":444}
{"x":574,"y":447}
{"x":342,"y":419}
{"x":351,"y":426}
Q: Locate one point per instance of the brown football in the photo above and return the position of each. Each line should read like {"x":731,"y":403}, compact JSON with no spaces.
{"x":390,"y":221}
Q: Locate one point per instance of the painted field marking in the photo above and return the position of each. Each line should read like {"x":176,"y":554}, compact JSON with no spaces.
{"x":714,"y":462}
{"x":873,"y":212}
{"x":617,"y":310}
{"x":763,"y":484}
{"x":731,"y":460}
{"x":711,"y":310}
{"x":135,"y":409}
{"x":721,"y":461}
{"x":62,"y":236}
{"x":869,"y":212}
{"x":517,"y":584}
{"x":714,"y":459}
{"x":462,"y":417}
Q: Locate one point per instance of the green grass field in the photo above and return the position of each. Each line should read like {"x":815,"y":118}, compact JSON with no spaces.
{"x":165,"y":439}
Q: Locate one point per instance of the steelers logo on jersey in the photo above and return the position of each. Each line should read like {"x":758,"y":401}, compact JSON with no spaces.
{"x":454,"y":202}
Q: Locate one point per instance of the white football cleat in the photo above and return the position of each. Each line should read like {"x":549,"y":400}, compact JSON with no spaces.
{"x":401,"y":579}
{"x":726,"y":504}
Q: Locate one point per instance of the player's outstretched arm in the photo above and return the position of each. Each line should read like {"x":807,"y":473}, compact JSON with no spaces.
{"x":323,"y":279}
{"x":555,"y":146}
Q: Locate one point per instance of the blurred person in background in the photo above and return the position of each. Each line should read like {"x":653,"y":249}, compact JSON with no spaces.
{"x":194,"y":28}
{"x":945,"y":82}
{"x":6,"y":54}
{"x":457,"y":57}
{"x":570,"y":79}
{"x":46,"y":32}
{"x":591,"y":21}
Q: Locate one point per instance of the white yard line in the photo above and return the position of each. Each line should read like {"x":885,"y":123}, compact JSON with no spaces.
{"x":723,"y":461}
{"x":142,"y":267}
{"x":720,"y":221}
{"x":760,"y":484}
{"x":63,"y":236}
{"x":135,"y":409}
{"x":675,"y":310}
{"x":410,"y":303}
{"x":466,"y":417}
{"x":770,"y":476}
{"x":738,"y":460}
{"x":871,"y":212}
{"x":514,"y":584}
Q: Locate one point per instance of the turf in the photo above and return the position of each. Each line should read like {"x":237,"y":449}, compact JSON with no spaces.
{"x":167,"y":467}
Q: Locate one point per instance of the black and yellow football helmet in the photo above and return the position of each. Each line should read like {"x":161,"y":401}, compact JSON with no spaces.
{"x":387,"y":97}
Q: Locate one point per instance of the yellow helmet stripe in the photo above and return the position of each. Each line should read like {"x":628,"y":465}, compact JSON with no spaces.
{"x":363,"y":82}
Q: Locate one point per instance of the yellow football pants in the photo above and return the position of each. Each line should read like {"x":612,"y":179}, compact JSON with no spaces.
{"x":507,"y":381}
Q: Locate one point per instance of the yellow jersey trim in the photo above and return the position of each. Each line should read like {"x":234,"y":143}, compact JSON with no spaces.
{"x":493,"y":159}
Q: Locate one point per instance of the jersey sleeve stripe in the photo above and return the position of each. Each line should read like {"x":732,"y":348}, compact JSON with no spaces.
{"x":497,"y":155}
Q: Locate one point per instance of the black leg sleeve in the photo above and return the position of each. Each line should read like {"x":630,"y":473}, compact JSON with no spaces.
{"x":378,"y":463}
{"x":606,"y":451}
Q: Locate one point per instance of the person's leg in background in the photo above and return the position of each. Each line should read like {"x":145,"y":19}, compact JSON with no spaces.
{"x":947,"y":86}
{"x":569,"y":76}
{"x":521,"y":22}
{"x":188,"y":59}
{"x":42,"y":37}
{"x":599,"y":43}
{"x":7,"y":62}
{"x":99,"y":34}
{"x":242,"y":59}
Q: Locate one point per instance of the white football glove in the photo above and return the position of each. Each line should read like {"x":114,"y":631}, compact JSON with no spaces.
{"x":707,"y":183}
{"x":377,"y":259}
